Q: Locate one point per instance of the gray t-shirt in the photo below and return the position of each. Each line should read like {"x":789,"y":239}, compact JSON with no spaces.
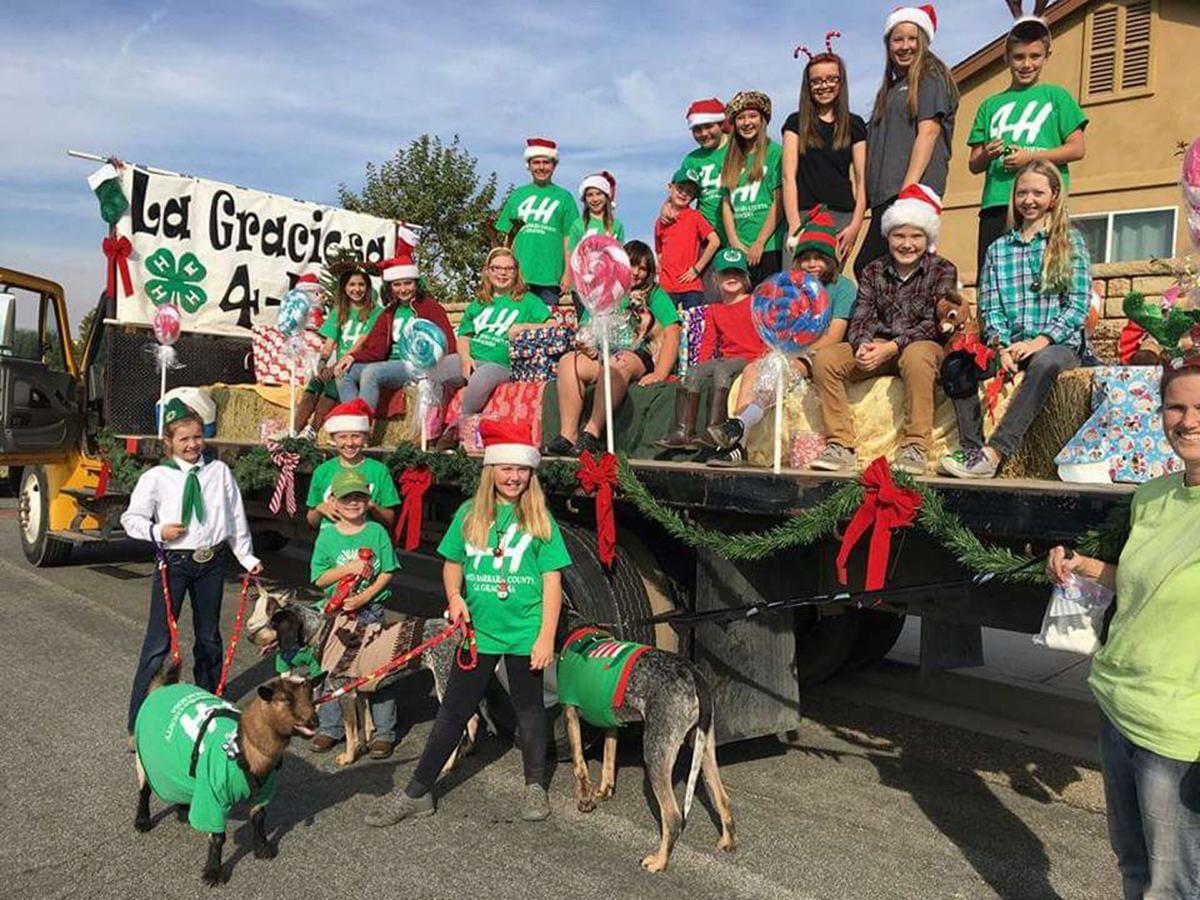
{"x":890,"y":140}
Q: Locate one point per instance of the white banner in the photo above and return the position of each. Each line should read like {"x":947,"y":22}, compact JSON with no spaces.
{"x":226,"y":255}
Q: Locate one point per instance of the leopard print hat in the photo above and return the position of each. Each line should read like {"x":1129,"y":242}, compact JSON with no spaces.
{"x":744,"y":100}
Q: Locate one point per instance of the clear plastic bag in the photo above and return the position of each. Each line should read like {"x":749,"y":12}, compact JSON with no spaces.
{"x":1074,"y":618}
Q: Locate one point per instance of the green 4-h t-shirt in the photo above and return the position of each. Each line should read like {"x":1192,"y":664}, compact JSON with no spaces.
{"x":705,"y":166}
{"x":508,"y":625}
{"x":401,"y":317}
{"x":358,"y":322}
{"x":487,"y":324}
{"x":333,"y":548}
{"x":581,"y":228}
{"x":165,"y":733}
{"x":379,"y":480}
{"x":547,"y":212}
{"x":1041,"y":116}
{"x":752,"y":200}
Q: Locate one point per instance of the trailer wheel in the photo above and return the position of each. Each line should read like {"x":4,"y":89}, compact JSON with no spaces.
{"x":34,"y":514}
{"x":878,"y":632}
{"x":823,"y":644}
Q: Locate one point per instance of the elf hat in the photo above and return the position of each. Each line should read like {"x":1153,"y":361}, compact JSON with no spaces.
{"x":349,"y":481}
{"x":603,"y":181}
{"x":174,"y":410}
{"x":816,"y":231}
{"x":540,"y":147}
{"x":705,"y":112}
{"x":918,"y":205}
{"x":353,"y":415}
{"x":508,"y":443}
{"x":924,"y":17}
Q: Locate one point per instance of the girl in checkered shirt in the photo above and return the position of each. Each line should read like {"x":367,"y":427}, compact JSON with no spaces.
{"x":1033,"y":304}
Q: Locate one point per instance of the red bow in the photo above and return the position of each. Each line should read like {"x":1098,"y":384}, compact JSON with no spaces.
{"x":991,"y":394}
{"x":413,"y":485}
{"x":117,"y":251}
{"x":102,"y":479}
{"x":973,"y":346}
{"x":884,"y":507}
{"x":599,"y":477}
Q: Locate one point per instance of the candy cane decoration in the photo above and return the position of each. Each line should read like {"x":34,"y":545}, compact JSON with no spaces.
{"x":285,"y":484}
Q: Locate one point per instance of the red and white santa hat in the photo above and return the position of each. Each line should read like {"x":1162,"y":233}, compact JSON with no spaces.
{"x":309,"y":282}
{"x":353,"y":415}
{"x":705,"y":112}
{"x":603,"y":181}
{"x":402,"y":265}
{"x":540,"y":147}
{"x":924,"y":17}
{"x":918,"y":205}
{"x":507,"y":442}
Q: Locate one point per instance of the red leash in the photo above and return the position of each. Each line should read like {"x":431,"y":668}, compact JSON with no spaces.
{"x":237,"y":633}
{"x":405,"y":658}
{"x":172,"y":625}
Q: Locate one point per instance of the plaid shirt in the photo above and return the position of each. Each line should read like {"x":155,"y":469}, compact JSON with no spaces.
{"x":1013,"y":306}
{"x":902,"y":310}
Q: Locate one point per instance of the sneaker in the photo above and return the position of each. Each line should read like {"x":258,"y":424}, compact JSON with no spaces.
{"x":380,"y":748}
{"x":560,"y":446}
{"x":536,"y":806}
{"x":835,"y":458}
{"x":397,"y":808}
{"x":588,"y":443}
{"x":969,"y":463}
{"x":729,"y":457}
{"x":728,"y":433}
{"x":323,"y":743}
{"x":911,"y":459}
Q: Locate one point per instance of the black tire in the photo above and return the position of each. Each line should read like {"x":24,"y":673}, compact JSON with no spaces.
{"x":878,"y":632}
{"x":823,"y":644}
{"x":34,"y":519}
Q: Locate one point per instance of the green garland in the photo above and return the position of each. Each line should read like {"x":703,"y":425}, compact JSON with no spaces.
{"x":255,"y":470}
{"x":123,"y":470}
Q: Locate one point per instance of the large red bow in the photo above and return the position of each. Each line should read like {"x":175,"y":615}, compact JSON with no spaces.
{"x":599,"y":477}
{"x":413,"y":485}
{"x":991,"y":394}
{"x":884,"y":507}
{"x":974,"y":347}
{"x":117,"y":251}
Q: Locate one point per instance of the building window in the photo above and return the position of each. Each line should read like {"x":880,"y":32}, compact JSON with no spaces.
{"x":1128,"y":236}
{"x":1119,"y":59}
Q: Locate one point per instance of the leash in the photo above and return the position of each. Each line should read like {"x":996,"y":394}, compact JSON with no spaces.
{"x":160,"y":556}
{"x":237,"y":632}
{"x":403,"y":659}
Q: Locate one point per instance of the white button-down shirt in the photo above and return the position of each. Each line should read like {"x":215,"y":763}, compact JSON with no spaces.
{"x":157,"y":500}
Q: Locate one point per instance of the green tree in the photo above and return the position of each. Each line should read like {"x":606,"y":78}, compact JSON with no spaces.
{"x":438,"y":188}
{"x":81,"y":333}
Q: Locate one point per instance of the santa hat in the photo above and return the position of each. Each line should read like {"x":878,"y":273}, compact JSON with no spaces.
{"x":540,"y":146}
{"x":917,"y":205}
{"x":924,"y":17}
{"x":817,"y":231}
{"x":602,"y":181}
{"x":402,"y":265}
{"x":353,"y":415}
{"x":309,"y":282}
{"x":507,"y":442}
{"x":705,"y":112}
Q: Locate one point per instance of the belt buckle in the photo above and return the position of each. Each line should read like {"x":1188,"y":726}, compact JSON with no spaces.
{"x":202,"y":555}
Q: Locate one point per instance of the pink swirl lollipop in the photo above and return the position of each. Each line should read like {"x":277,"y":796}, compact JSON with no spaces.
{"x":166,"y":324}
{"x":600,"y":268}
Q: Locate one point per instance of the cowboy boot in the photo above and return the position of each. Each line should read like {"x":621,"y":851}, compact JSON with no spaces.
{"x":682,"y":436}
{"x":718,"y":412}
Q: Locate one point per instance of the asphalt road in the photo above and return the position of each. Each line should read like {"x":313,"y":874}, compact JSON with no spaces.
{"x":865,"y":803}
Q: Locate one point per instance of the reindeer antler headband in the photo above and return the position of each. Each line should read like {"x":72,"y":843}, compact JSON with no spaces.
{"x":829,"y":36}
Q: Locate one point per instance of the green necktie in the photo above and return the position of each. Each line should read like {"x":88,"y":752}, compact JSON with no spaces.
{"x":193,"y":497}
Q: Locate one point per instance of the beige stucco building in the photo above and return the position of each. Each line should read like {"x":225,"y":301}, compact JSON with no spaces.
{"x":1134,"y":66}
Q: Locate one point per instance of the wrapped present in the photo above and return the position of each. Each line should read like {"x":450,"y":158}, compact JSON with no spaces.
{"x":534,"y":354}
{"x":806,"y":446}
{"x":521,"y":401}
{"x":272,"y":362}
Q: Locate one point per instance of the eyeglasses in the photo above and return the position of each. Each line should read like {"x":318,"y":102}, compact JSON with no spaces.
{"x":830,"y":81}
{"x":502,"y":268}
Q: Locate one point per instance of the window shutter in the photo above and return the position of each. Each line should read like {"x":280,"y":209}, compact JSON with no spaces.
{"x":1102,"y":53}
{"x":1135,"y":59}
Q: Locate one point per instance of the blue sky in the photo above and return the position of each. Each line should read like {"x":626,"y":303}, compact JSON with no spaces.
{"x":295,"y":96}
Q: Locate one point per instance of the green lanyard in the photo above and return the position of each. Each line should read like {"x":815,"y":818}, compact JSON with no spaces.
{"x":193,"y":497}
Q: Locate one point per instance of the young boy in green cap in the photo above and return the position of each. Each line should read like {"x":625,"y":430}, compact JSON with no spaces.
{"x":684,"y":244}
{"x":337,"y":554}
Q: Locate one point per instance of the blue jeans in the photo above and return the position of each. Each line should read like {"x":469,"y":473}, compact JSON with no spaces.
{"x":688,"y":299}
{"x":366,"y":380}
{"x":383,"y":702}
{"x":1153,"y":818}
{"x":550,"y":294}
{"x":205,"y":584}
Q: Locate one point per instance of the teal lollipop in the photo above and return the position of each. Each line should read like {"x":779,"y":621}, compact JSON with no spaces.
{"x":421,"y":344}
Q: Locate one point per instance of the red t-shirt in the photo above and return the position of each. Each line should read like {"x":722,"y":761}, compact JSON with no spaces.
{"x":729,"y":332}
{"x":677,"y":246}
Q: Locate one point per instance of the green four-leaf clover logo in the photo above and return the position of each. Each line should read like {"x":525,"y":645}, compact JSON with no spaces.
{"x":175,"y":283}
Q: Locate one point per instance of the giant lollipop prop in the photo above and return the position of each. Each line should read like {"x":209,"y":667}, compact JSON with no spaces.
{"x":422,"y":344}
{"x":601,"y":272}
{"x":166,"y":325}
{"x":790,"y":310}
{"x":294,"y":312}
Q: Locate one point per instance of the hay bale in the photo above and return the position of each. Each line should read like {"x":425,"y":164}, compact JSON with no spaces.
{"x":242,"y":412}
{"x":1067,"y":407}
